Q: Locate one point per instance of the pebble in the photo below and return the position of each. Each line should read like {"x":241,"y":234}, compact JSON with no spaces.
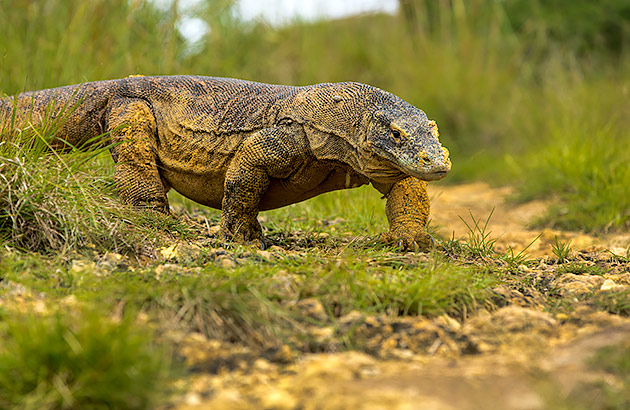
{"x":514,"y":318}
{"x":570,"y":283}
{"x":312,"y":308}
{"x":226,"y":262}
{"x":279,"y":399}
{"x":266,"y":255}
{"x":214,"y":230}
{"x":610,"y":284}
{"x":80,"y":265}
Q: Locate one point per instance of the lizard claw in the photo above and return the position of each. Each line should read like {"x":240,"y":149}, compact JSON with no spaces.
{"x":259,"y":243}
{"x":254,"y":239}
{"x":420,"y":241}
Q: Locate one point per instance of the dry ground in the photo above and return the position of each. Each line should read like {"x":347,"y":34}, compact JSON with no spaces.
{"x":510,"y":223}
{"x":523,"y":355}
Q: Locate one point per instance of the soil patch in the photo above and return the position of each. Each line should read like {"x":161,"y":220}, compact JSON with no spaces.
{"x":524,"y":353}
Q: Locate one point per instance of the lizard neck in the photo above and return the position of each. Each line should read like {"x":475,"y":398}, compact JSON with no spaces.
{"x":335,"y":118}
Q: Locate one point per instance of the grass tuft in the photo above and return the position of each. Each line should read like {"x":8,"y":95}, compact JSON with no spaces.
{"x":479,"y":244}
{"x":561,"y":249}
{"x":53,"y":202}
{"x":52,"y":361}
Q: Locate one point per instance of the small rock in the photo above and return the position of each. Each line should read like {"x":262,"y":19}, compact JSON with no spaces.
{"x":266,"y":255}
{"x":323,"y":334}
{"x":111,"y":259}
{"x":169,"y":252}
{"x":514,"y":318}
{"x":312,"y":308}
{"x":262,"y":365}
{"x":79,"y":265}
{"x":570,"y":283}
{"x":619,"y":252}
{"x":574,"y":288}
{"x":279,"y":399}
{"x":226,"y":262}
{"x":448,"y":322}
{"x":351,"y":319}
{"x":70,"y":301}
{"x":561,"y":317}
{"x":192,"y":399}
{"x":214,"y":230}
{"x":610,"y":284}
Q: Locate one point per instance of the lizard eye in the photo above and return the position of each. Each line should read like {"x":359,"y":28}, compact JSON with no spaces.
{"x":396,"y":135}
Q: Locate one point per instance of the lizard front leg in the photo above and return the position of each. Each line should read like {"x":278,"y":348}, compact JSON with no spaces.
{"x":269,"y":153}
{"x":407,"y":212}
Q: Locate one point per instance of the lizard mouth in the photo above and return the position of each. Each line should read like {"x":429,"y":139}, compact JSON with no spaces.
{"x":433,"y":176}
{"x":388,"y":168}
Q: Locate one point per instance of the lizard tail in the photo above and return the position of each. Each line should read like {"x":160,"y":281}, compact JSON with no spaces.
{"x":67,"y":116}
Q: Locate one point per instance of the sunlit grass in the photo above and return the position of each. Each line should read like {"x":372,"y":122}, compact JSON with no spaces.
{"x":80,"y":360}
{"x":533,"y":113}
{"x":582,"y":162}
{"x":513,"y":106}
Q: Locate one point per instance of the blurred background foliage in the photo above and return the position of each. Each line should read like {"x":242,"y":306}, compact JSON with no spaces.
{"x":533,"y":93}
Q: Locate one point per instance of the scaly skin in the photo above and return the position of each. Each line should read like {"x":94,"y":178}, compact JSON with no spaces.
{"x":243,"y":147}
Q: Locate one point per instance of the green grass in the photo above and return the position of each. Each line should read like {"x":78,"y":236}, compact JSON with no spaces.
{"x":561,"y":249}
{"x":558,"y":132}
{"x":585,"y":124}
{"x":80,"y":360}
{"x":515,"y":104}
{"x":246,"y":303}
{"x":615,"y":302}
{"x":616,"y":361}
{"x":579,"y":268}
{"x":610,"y":392}
{"x":52,"y":202}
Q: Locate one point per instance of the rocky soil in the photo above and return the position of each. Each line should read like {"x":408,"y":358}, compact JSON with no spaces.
{"x":523,"y":352}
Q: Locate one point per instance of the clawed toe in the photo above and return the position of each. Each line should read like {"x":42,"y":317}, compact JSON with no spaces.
{"x":414,"y":243}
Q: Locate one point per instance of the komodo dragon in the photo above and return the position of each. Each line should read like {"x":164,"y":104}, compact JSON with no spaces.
{"x":245,"y":147}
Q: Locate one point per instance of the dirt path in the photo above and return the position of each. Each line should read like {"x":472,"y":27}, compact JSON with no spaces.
{"x":509,"y":223}
{"x":521,"y":356}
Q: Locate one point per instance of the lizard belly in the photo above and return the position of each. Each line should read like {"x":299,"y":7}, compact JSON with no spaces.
{"x":309,"y":181}
{"x":206,"y":189}
{"x":308,"y":184}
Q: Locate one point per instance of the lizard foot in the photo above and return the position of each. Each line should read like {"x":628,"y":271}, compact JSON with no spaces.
{"x":247,"y":234}
{"x":409,"y":240}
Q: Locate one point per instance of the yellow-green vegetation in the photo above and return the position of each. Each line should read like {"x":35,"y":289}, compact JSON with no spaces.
{"x":57,"y":360}
{"x":615,"y":360}
{"x":95,"y":297}
{"x":52,"y":202}
{"x":518,"y":99}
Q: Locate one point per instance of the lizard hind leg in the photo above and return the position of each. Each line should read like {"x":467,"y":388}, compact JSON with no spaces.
{"x":133,"y":133}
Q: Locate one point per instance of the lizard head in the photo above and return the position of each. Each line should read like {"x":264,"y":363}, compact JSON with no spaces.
{"x":402,"y":136}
